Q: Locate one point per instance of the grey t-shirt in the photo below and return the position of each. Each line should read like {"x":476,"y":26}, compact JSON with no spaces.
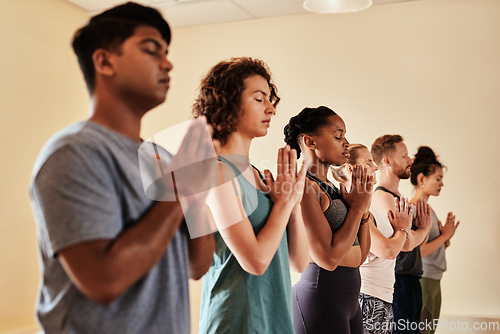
{"x":86,"y":186}
{"x":434,"y":264}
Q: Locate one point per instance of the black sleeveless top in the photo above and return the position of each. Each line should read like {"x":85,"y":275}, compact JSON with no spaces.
{"x":336,"y":212}
{"x":407,"y":263}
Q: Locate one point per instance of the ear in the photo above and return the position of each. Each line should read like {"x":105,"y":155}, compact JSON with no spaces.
{"x":309,"y":142}
{"x":104,"y":62}
{"x":420,"y":179}
{"x":349,"y":168}
{"x":386,"y":161}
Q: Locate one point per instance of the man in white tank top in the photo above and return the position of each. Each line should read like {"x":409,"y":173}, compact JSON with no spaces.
{"x":390,"y":234}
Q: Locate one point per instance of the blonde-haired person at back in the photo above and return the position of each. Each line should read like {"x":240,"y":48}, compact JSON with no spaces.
{"x":388,"y":235}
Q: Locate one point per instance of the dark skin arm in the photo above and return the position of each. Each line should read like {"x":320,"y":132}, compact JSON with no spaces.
{"x":104,"y":269}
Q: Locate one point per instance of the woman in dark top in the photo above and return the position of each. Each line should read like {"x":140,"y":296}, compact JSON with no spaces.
{"x":325,"y":300}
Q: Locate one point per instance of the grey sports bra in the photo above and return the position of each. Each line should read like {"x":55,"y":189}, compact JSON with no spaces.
{"x":336,"y":212}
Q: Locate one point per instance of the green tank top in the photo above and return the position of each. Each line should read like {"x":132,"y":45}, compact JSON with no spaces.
{"x":234,"y":301}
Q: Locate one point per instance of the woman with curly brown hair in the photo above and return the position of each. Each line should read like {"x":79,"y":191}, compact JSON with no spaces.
{"x":247,"y":289}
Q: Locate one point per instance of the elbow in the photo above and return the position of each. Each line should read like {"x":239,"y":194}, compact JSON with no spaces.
{"x":299,"y":266}
{"x":255,"y":267}
{"x":197,"y":273}
{"x":330,"y":264}
{"x":104,"y":294}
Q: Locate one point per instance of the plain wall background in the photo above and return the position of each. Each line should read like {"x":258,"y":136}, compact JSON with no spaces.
{"x":428,"y":70}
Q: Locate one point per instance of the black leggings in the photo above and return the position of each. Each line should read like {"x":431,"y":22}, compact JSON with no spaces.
{"x":327,"y":301}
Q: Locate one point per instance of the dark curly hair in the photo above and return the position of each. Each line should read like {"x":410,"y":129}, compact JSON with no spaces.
{"x":425,"y":162}
{"x":384,"y":145}
{"x":307,"y":122}
{"x":221,"y":89}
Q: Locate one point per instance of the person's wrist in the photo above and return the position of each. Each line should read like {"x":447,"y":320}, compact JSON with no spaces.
{"x":403,"y":230}
{"x":367,"y":219}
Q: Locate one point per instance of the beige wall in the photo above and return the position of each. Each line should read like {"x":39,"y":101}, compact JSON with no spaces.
{"x":426,"y":69}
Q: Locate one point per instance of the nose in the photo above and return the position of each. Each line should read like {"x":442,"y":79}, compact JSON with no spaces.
{"x":270,"y":109}
{"x":166,"y":65}
{"x":346,"y":142}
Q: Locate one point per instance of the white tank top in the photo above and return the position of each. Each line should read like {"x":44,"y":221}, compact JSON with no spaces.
{"x":377,"y":275}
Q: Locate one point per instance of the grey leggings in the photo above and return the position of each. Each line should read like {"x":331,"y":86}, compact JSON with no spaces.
{"x":327,"y":301}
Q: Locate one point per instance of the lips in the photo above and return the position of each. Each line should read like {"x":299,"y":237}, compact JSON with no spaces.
{"x":267,"y":122}
{"x":165,"y":81}
{"x":346,"y":154}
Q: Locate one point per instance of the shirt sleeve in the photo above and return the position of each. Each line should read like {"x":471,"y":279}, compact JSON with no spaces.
{"x":75,"y":199}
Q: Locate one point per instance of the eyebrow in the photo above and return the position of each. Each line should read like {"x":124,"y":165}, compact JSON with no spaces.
{"x":259,"y":91}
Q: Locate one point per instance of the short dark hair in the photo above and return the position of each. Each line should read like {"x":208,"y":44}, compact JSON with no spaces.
{"x":219,"y":99}
{"x":307,"y":122}
{"x":383,"y":146}
{"x":109,"y":30}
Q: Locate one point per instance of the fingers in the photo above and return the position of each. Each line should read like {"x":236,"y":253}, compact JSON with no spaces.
{"x":293,"y":162}
{"x":269,"y":179}
{"x":411,"y":211}
{"x":286,"y":160}
{"x":343,"y":190}
{"x":397,"y":203}
{"x":364,"y":178}
{"x":280,"y":162}
{"x":391,"y":216}
{"x":440,"y":225}
{"x":303,"y":171}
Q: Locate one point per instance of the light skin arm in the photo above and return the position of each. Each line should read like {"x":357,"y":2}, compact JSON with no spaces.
{"x":298,"y":250}
{"x":423,"y":223}
{"x":255,"y":252}
{"x":400,"y":218}
{"x":447,"y":231}
{"x":104,"y":269}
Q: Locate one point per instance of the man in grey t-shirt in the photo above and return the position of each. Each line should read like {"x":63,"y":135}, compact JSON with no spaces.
{"x":113,"y":260}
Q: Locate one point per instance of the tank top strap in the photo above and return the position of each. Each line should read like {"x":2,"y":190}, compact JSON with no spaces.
{"x":330,"y":190}
{"x":237,"y":172}
{"x":387,"y":191}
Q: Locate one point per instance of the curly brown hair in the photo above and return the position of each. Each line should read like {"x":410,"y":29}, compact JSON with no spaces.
{"x":221,"y":89}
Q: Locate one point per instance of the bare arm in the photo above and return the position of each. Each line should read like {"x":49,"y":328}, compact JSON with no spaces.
{"x":298,"y":250}
{"x":255,"y":252}
{"x":399,"y":215}
{"x":327,"y":249}
{"x":423,"y":223}
{"x":364,"y":236}
{"x":104,"y":269}
{"x":447,"y":231}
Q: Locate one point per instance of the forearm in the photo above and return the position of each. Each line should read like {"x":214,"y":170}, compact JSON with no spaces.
{"x":415,"y":238}
{"x":364,"y":240}
{"x":432,"y":246}
{"x":298,"y":250}
{"x":331,"y":254}
{"x":105,"y":269}
{"x":201,"y":254}
{"x":269,"y":238}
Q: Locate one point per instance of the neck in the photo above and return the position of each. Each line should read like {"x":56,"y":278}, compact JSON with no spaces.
{"x":389,"y":181}
{"x":419,"y":193}
{"x":319,"y":169}
{"x":236,"y":144}
{"x":116,"y":115}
